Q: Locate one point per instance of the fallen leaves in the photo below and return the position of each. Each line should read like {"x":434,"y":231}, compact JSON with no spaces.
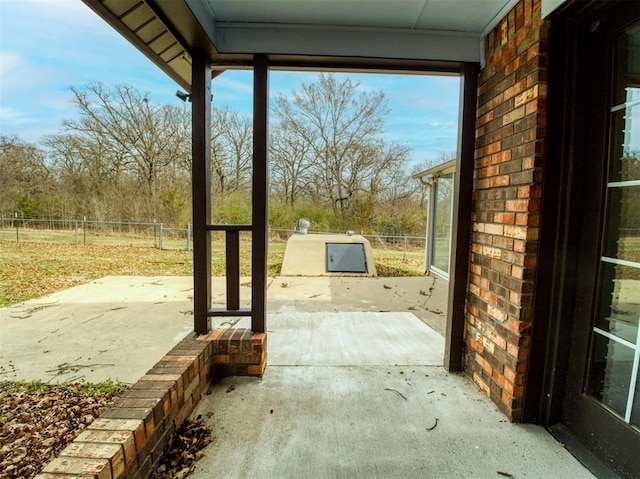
{"x":184,"y":450}
{"x":38,"y":420}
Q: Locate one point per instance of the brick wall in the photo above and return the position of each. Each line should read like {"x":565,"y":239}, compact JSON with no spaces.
{"x":506,"y":214}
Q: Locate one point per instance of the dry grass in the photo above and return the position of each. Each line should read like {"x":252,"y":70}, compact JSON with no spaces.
{"x":31,"y":270}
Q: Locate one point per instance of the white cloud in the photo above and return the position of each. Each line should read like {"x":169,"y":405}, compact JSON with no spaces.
{"x":11,"y":116}
{"x":48,"y":45}
{"x":9,"y":61}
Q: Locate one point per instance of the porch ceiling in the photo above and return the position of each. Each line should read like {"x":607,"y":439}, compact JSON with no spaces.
{"x":427,"y":34}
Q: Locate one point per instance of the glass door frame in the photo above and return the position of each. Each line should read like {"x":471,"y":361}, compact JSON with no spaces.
{"x":573,"y":197}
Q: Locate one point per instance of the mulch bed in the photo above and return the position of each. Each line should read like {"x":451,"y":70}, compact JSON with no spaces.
{"x":37,"y":421}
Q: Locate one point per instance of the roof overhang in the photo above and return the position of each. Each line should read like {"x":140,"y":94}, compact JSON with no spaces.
{"x":419,"y":35}
{"x":427,"y":176}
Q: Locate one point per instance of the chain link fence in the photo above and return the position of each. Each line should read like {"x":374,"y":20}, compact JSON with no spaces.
{"x":157,"y":235}
{"x":400,"y":243}
{"x":89,"y":232}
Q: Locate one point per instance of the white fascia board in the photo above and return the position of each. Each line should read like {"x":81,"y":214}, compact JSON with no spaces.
{"x":442,"y":168}
{"x":205,"y":16}
{"x":549,"y":6}
{"x":347,"y":42}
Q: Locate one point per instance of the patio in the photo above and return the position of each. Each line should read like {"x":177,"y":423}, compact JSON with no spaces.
{"x":365,"y":395}
{"x":354,"y":386}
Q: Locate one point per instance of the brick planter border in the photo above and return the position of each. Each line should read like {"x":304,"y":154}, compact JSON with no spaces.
{"x":128,"y":439}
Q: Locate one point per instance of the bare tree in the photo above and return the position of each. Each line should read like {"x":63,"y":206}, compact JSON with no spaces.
{"x":329,"y":135}
{"x":240,"y":141}
{"x":291,"y":159}
{"x":231,"y":150}
{"x":146,"y":136}
{"x":338,"y":124}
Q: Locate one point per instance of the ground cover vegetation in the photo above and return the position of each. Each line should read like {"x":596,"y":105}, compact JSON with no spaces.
{"x":38,"y":420}
{"x":125,"y":158}
{"x":31,"y":270}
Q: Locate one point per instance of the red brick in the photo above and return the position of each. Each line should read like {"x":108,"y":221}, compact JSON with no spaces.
{"x":476,"y":346}
{"x":492,"y":148}
{"x":114,"y":453}
{"x":96,"y":468}
{"x":124,"y":438}
{"x":137,"y":403}
{"x":497,"y":181}
{"x":481,"y":384}
{"x":517,"y":205}
{"x":508,"y":218}
{"x":50,"y":475}
{"x":506,"y":214}
{"x":134,"y":425}
{"x":501,"y":157}
{"x":497,"y":339}
{"x":257,"y":370}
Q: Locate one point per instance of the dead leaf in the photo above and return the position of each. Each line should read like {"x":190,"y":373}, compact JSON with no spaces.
{"x":38,"y":420}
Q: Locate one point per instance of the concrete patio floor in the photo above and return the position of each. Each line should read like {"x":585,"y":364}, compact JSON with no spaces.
{"x":118,"y":327}
{"x":354,"y":387}
{"x":364,"y":395}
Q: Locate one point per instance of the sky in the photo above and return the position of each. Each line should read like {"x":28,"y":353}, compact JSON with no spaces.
{"x":47,"y":46}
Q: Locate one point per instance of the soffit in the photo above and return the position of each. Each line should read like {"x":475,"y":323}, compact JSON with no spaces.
{"x":458,"y":15}
{"x":435,"y":32}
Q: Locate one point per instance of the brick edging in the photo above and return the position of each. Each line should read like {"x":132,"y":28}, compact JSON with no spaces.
{"x":127,"y":440}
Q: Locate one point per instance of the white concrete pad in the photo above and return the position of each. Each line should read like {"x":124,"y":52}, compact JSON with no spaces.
{"x":112,"y":328}
{"x":118,"y":327}
{"x":350,"y":339}
{"x":424,"y":296}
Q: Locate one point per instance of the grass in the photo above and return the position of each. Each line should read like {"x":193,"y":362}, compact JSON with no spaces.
{"x":37,"y":386}
{"x":31,"y":270}
{"x":172,"y":238}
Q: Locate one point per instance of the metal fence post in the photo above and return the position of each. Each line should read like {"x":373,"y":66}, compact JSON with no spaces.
{"x":84,"y":229}
{"x":404,"y":257}
{"x":160,"y":237}
{"x":188,"y":236}
{"x":17,"y":234}
{"x":76,"y":223}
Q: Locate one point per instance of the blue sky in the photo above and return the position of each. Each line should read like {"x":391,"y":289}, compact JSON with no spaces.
{"x":46,"y":46}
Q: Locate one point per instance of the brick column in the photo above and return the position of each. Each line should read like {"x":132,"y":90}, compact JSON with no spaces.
{"x":506,"y":206}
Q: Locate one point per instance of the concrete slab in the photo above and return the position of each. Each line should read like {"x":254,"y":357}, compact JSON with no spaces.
{"x":369,"y":422}
{"x":425,"y":297}
{"x":118,"y":327}
{"x":111,"y":328}
{"x":353,"y":394}
{"x":350,"y":339}
{"x":363,"y":395}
